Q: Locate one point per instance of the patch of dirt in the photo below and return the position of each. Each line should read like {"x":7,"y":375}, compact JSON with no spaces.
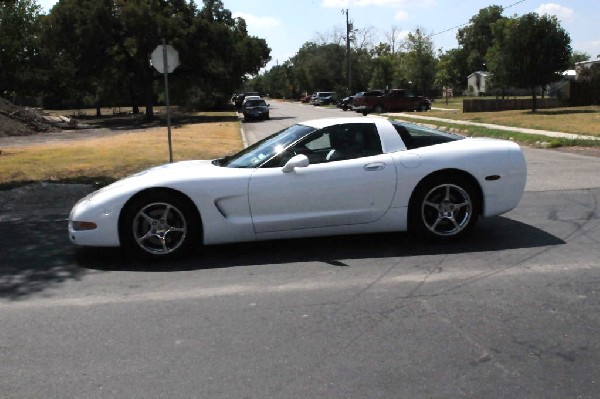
{"x":22,"y":126}
{"x":21,"y":121}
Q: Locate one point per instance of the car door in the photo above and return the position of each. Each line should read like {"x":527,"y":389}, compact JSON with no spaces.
{"x":340,"y":186}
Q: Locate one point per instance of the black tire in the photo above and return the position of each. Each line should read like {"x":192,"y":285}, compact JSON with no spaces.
{"x":444,"y":208}
{"x":146,"y":232}
{"x":378,"y":109}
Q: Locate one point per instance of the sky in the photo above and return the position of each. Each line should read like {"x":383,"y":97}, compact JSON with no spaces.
{"x":287,"y":24}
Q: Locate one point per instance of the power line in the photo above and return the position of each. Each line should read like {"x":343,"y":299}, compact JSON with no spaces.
{"x":465,"y":24}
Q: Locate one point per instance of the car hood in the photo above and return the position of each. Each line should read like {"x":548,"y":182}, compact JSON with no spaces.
{"x":171,"y":175}
{"x":171,"y":172}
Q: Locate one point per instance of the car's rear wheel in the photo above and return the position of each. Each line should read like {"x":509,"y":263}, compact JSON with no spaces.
{"x":159,"y":224}
{"x":444,"y":208}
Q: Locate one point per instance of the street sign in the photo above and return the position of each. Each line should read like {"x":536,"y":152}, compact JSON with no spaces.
{"x":165,"y":59}
{"x":158,"y":58}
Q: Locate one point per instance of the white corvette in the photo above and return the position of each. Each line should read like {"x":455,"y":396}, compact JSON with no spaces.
{"x":316,"y":178}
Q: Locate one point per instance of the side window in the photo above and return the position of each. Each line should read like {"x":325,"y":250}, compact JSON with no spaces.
{"x":334,"y":143}
{"x":315,"y":146}
{"x":354,"y":140}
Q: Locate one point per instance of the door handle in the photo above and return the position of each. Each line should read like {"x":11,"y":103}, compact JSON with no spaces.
{"x":371,"y":167}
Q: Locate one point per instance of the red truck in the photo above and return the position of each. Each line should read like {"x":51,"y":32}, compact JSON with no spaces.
{"x":394,"y":100}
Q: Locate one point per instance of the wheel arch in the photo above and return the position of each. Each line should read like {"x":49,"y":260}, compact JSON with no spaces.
{"x":451,"y":172}
{"x":161,"y":190}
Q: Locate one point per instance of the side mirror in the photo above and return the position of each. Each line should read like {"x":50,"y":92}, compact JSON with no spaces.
{"x":297,"y":161}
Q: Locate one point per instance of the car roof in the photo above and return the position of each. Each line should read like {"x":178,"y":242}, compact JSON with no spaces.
{"x":321,"y":123}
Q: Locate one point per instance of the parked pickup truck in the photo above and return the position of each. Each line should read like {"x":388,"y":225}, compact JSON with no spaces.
{"x":394,"y":100}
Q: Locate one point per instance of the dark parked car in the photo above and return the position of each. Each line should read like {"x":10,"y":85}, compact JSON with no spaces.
{"x":255,"y":109}
{"x":345,"y":103}
{"x":392,"y":100}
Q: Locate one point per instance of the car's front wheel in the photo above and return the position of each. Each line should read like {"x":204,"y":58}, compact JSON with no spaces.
{"x":159,"y":224}
{"x":444,"y":208}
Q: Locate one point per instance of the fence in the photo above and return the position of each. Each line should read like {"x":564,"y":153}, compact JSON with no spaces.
{"x":493,"y":105}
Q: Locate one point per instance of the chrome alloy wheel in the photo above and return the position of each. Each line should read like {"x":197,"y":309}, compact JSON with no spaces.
{"x":159,"y":228}
{"x":446,"y":210}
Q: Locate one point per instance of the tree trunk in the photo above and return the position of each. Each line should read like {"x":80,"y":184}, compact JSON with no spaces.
{"x":533,"y":100}
{"x":133,"y":98}
{"x":148,"y":97}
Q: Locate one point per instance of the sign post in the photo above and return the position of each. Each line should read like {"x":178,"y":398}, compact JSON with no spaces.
{"x":165,"y":59}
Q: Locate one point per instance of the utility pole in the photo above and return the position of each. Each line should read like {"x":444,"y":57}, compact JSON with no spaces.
{"x":349,"y":28}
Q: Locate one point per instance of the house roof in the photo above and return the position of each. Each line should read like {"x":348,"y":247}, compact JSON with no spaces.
{"x":482,"y":73}
{"x":588,"y":63}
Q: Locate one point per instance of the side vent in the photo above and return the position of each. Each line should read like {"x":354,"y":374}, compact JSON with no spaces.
{"x":492,"y":178}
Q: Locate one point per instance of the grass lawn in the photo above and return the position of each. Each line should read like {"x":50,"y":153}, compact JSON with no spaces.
{"x":101,"y":160}
{"x":104,"y":159}
{"x":577,"y":120}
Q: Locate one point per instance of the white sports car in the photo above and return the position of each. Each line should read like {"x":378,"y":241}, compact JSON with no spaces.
{"x":316,"y":178}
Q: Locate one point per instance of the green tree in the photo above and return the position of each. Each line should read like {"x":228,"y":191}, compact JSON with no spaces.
{"x":500,"y":61}
{"x":447,"y":73}
{"x":78,"y":38}
{"x":319,"y":67}
{"x":578,"y":56}
{"x":589,"y":78}
{"x":532,"y":52}
{"x":103,"y":47}
{"x":419,"y":63}
{"x":476,"y":38}
{"x":383,"y":71}
{"x":20,"y":63}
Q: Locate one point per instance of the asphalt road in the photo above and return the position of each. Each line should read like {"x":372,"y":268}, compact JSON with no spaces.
{"x":512,"y":312}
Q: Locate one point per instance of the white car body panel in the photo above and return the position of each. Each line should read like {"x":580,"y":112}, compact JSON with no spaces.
{"x":342,"y":197}
{"x":354,"y":191}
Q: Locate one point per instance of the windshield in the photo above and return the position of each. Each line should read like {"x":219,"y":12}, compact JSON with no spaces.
{"x":262,"y":151}
{"x":256,"y":103}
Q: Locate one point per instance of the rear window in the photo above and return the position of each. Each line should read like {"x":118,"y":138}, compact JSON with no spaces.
{"x":415,"y":136}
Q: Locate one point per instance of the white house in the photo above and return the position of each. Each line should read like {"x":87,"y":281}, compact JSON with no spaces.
{"x":476,"y":83}
{"x":586,"y":64}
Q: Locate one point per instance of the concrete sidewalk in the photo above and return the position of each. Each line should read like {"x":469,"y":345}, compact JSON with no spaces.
{"x":546,"y":133}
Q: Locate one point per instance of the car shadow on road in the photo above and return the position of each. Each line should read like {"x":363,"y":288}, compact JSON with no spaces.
{"x":36,"y":256}
{"x":494,"y":234}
